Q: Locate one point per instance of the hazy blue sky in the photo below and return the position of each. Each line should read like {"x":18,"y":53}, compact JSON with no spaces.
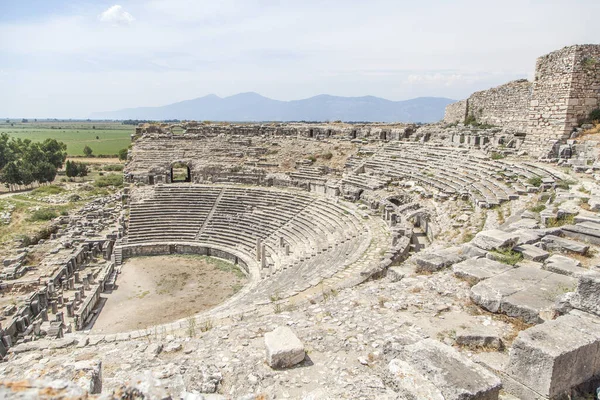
{"x":68,"y":58}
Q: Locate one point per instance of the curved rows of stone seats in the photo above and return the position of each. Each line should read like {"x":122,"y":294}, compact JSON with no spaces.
{"x":455,"y":172}
{"x":175,"y":213}
{"x":297,"y":231}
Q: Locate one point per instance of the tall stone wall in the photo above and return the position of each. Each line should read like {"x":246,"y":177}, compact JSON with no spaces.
{"x":504,"y":105}
{"x":456,"y":112}
{"x":565,"y":90}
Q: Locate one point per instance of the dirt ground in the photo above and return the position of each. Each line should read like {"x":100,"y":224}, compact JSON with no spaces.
{"x":161,"y":289}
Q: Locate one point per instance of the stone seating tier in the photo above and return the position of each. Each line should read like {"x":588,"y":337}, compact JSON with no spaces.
{"x":312,"y":228}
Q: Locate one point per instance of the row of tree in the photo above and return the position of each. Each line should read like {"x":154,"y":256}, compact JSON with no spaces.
{"x":23,"y":162}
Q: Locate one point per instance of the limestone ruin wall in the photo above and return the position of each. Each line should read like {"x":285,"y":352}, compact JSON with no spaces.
{"x":456,"y":112}
{"x":565,"y":89}
{"x":505,"y":106}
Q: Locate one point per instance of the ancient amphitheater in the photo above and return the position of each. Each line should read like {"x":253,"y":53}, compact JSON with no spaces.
{"x":443,"y":261}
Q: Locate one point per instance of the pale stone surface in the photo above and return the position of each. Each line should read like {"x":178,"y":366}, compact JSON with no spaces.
{"x":527,"y":292}
{"x":557,"y":243}
{"x":587,"y":295}
{"x":452,"y":374}
{"x":553,"y":357}
{"x":283,"y":347}
{"x":480,"y":336}
{"x":477,"y":269}
{"x":434,"y":261}
{"x":495,"y":239}
{"x":411,"y":383}
{"x":564,"y":265}
{"x":531,"y":252}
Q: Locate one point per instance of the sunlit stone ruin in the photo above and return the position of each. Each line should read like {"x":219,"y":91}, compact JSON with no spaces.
{"x":457,"y":260}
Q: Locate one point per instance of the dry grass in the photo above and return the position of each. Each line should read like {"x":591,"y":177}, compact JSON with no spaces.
{"x":586,"y":260}
{"x":591,"y":134}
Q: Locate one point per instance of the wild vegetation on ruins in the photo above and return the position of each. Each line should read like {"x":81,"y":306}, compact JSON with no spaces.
{"x":456,"y":260}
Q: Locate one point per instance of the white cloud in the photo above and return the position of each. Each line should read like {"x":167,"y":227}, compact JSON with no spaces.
{"x":116,"y":15}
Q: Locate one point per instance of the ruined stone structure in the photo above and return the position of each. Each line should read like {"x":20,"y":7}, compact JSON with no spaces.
{"x":505,"y":106}
{"x":565,"y":89}
{"x":379,"y":261}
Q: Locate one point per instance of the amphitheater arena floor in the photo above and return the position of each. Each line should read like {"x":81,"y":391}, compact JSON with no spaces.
{"x":160,"y":289}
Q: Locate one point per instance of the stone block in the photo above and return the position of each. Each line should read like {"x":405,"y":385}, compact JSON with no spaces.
{"x":495,"y":239}
{"x":587,"y":294}
{"x":440,"y":259}
{"x":477,"y":269}
{"x":429,"y":369}
{"x":564,"y":266}
{"x":395,"y":274}
{"x":553,"y":357}
{"x":283,"y":347}
{"x":531,"y":252}
{"x":527,"y":292}
{"x":554,"y":242}
{"x":585,"y":234}
{"x":479,"y":336}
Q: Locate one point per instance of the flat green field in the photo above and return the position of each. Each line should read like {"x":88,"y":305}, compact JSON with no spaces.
{"x":112,"y":136}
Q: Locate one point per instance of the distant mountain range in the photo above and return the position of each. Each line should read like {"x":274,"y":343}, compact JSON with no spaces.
{"x":254,"y":107}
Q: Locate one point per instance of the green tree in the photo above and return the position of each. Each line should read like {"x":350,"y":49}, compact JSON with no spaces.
{"x":44,"y":172}
{"x":82,"y":169}
{"x":87,"y":150}
{"x":123,"y":154}
{"x":10,"y":175}
{"x":71,"y":169}
{"x":25,"y":173}
{"x":55,"y":152}
{"x":6,"y":153}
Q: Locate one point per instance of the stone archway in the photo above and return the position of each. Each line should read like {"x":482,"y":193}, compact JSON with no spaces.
{"x":180,"y":172}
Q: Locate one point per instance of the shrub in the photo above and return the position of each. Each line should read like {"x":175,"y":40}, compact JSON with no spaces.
{"x":595,"y":115}
{"x":26,"y":240}
{"x":565,"y":219}
{"x":470,"y":120}
{"x":535,"y":181}
{"x":44,"y":214}
{"x":564,"y":184}
{"x":113,"y":167}
{"x":327,"y":156}
{"x":109,"y":180}
{"x":538,"y":208}
{"x":497,"y":156}
{"x":47,"y":190}
{"x":122,"y":154}
{"x":87,"y":150}
{"x":312,"y":158}
{"x":507,"y":256}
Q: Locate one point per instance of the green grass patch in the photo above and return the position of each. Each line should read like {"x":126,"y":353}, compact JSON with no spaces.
{"x":497,"y":156}
{"x":565,"y":219}
{"x":565,"y":184}
{"x":47,"y":190}
{"x":113,"y":167}
{"x":43,"y":214}
{"x":535,"y":181}
{"x":109,"y":180}
{"x":507,"y":256}
{"x":538,"y":208}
